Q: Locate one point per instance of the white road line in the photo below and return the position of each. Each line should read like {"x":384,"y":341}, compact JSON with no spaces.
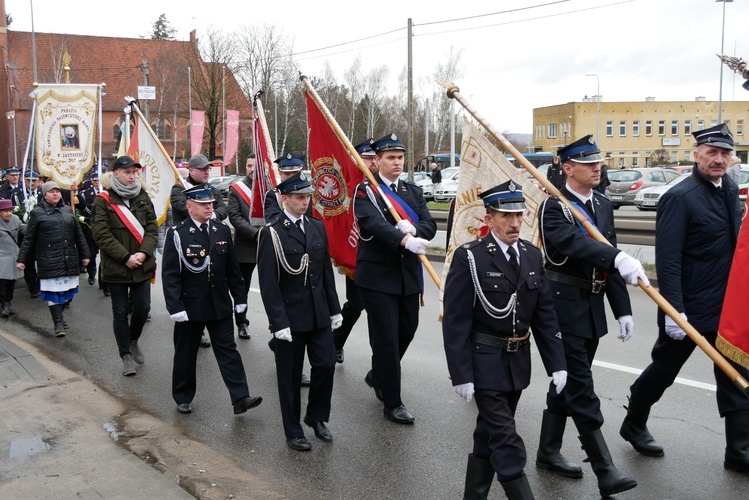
{"x":636,"y":371}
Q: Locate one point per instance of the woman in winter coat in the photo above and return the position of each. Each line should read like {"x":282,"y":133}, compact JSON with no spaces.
{"x":10,"y":234}
{"x":56,"y":238}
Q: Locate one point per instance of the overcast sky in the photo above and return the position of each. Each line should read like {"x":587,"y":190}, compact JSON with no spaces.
{"x":512,"y":62}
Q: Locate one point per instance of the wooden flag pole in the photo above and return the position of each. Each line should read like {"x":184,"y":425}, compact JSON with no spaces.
{"x":352,"y":151}
{"x":454,"y":93}
{"x":134,"y":105}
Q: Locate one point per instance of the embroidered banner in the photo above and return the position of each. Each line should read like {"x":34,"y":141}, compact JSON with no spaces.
{"x":733,"y":330}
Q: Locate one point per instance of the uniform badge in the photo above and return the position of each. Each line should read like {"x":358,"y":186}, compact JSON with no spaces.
{"x":394,"y":137}
{"x":590,"y":139}
{"x":215,"y":229}
{"x":466,"y":245}
{"x":195,"y":261}
{"x":491,"y":274}
{"x":202,"y":252}
{"x":192,"y":230}
{"x":558,"y":335}
{"x":286,"y":223}
{"x":512,"y":187}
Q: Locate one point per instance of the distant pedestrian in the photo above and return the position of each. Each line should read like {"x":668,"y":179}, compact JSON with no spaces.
{"x":436,"y":176}
{"x":11,"y":228}
{"x":55,"y":237}
{"x":555,"y":174}
{"x":605,"y":181}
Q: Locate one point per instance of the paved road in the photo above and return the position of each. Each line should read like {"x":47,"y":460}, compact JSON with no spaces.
{"x":371,"y":457}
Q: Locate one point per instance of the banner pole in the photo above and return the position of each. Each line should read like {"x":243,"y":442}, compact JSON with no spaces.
{"x":454,"y":93}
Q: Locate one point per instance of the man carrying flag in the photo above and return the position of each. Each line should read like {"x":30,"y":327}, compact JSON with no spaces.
{"x":388,"y":271}
{"x":697,"y":226}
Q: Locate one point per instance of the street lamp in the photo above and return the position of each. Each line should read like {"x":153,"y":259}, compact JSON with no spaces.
{"x":722,"y":38}
{"x":598,"y":108}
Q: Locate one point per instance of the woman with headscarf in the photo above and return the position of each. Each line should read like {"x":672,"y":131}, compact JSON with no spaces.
{"x":57,"y":240}
{"x":10,"y":233}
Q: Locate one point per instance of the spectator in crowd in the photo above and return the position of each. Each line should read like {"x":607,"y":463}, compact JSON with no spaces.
{"x":11,"y":228}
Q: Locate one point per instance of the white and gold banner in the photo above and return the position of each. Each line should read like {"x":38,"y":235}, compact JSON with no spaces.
{"x":65,"y":130}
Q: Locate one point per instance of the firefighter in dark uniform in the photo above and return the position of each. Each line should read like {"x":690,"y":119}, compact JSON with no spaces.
{"x":697,"y":227}
{"x":581,"y":271}
{"x":89,"y":195}
{"x":199,"y":271}
{"x":487,"y":291}
{"x":388,"y":271}
{"x":298,"y":290}
{"x":19,"y":198}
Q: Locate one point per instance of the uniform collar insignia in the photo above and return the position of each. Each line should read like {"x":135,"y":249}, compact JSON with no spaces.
{"x":286,"y":223}
{"x":192,"y":230}
{"x":558,"y":335}
{"x":214,"y":228}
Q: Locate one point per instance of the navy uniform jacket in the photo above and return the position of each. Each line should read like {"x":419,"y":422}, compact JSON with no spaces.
{"x":696,"y":230}
{"x":245,"y":233}
{"x":491,"y":367}
{"x":382,"y":264}
{"x":204,"y":295}
{"x":179,"y":202}
{"x":302,"y":302}
{"x":573,"y":253}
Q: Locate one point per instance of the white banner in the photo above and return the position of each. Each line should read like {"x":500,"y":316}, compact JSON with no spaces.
{"x":65,"y":130}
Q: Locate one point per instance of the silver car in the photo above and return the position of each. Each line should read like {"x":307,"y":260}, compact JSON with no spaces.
{"x":647,"y":199}
{"x":625,"y":184}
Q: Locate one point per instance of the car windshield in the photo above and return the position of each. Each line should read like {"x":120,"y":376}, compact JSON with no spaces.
{"x":744,"y":177}
{"x":624,"y":176}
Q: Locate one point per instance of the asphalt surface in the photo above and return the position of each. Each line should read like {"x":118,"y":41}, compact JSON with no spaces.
{"x":372,"y":457}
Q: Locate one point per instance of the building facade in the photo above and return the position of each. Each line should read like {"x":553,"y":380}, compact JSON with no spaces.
{"x":639,"y":134}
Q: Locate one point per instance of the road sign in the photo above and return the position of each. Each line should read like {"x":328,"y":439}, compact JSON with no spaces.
{"x":146,"y":92}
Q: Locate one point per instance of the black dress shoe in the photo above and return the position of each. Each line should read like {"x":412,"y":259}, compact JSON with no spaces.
{"x":399,"y":415}
{"x":106,"y":291}
{"x":299,"y":444}
{"x":91,"y":280}
{"x":204,"y":342}
{"x":321,"y":431}
{"x":246,"y":403}
{"x":371,"y":382}
{"x":35,"y":294}
{"x":244,"y":332}
{"x":184,"y":408}
{"x":339,"y":356}
{"x":306,"y":382}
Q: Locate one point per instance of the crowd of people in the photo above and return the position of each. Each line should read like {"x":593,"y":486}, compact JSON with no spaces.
{"x":501,"y":292}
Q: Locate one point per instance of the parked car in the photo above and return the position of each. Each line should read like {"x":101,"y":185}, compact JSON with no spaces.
{"x":648,"y":198}
{"x":223,"y":183}
{"x":418,"y":176}
{"x":682,"y":169}
{"x":448,"y":190}
{"x":427,"y":186}
{"x":625,"y":184}
{"x":743,"y":184}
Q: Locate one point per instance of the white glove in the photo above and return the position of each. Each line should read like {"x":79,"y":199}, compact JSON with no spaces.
{"x":673,"y":330}
{"x":284,"y":334}
{"x":179,"y":317}
{"x":626,"y":327}
{"x":630,"y":269}
{"x":336,"y":321}
{"x":406,"y":227}
{"x":465,"y":391}
{"x":417,"y":245}
{"x":240,"y":308}
{"x":559,"y":379}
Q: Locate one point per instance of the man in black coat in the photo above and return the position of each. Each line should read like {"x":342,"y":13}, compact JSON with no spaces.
{"x":298,"y":290}
{"x":555,"y":174}
{"x":198,"y":174}
{"x":11,"y":182}
{"x":580,"y":271}
{"x":388,"y":271}
{"x":288,"y":165}
{"x":697,"y":226}
{"x":246,"y":231}
{"x":492,"y":303}
{"x":199,"y":272}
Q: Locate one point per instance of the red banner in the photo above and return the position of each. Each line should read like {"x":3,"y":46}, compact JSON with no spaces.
{"x":232,"y":135}
{"x":197,"y":126}
{"x":733,"y":331}
{"x":335,"y":177}
{"x":264,"y":176}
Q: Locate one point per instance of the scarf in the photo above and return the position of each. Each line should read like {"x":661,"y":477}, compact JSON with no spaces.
{"x":125,"y":192}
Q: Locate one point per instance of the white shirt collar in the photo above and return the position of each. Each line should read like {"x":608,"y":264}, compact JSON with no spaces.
{"x":579,"y":196}
{"x":504,"y":246}
{"x":197,"y":224}
{"x":292,"y":218}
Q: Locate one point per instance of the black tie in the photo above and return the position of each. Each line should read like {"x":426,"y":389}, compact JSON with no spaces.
{"x":204,"y":230}
{"x":513,"y":261}
{"x":299,"y":225}
{"x":393,"y":187}
{"x":589,"y":206}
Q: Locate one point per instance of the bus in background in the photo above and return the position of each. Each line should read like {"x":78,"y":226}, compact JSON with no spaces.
{"x":536,"y":159}
{"x":442,"y":159}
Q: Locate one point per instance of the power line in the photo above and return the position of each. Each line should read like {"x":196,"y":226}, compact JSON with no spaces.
{"x":346,"y":43}
{"x":492,"y":13}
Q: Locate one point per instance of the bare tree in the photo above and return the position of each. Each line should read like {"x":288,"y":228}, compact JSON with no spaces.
{"x":354,"y":80}
{"x":450,"y":70}
{"x":262,"y":52}
{"x":375,"y":87}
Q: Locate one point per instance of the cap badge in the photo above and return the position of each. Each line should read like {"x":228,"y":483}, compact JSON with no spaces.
{"x":590,"y":140}
{"x":288,"y":156}
{"x":302,"y":177}
{"x":511,"y":187}
{"x":725,"y":130}
{"x":394,"y":137}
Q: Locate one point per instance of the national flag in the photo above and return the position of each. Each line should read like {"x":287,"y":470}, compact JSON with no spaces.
{"x":232,"y":135}
{"x":157,"y":174}
{"x":335,"y":177}
{"x":264,"y":178}
{"x":197,"y":126}
{"x":733,"y":330}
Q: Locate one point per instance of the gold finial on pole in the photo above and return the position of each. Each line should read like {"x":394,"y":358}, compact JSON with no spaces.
{"x":66,"y":61}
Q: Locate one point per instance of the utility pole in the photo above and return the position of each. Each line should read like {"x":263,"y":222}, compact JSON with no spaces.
{"x":426,"y":126}
{"x":410,"y":158}
{"x":146,"y":78}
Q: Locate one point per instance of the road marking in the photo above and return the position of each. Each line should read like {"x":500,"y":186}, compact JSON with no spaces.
{"x":636,"y":371}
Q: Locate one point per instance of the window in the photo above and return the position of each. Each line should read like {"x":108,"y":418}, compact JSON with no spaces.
{"x":700,"y":124}
{"x":635,"y":160}
{"x":687,"y":127}
{"x":739,"y":127}
{"x":162,"y":128}
{"x":622,"y":129}
{"x":552,"y":130}
{"x":687,"y":156}
{"x":167,"y":131}
{"x":713,"y":123}
{"x":648,"y":128}
{"x":609,"y":129}
{"x":657,"y":177}
{"x":115,"y":131}
{"x":661,"y":127}
{"x":674,"y":127}
{"x":636,"y":128}
{"x":674,"y":156}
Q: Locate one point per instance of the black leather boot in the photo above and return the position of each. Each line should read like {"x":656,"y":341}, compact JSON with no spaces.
{"x":518,"y":489}
{"x":479,"y":477}
{"x":241,"y":321}
{"x":6,"y":310}
{"x":550,"y":443}
{"x":610,"y":479}
{"x":56,"y":311}
{"x":737,"y":442}
{"x":635,"y":430}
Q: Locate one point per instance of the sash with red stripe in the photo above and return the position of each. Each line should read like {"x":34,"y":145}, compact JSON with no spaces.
{"x":400,"y":206}
{"x":127,"y":218}
{"x":243,"y":191}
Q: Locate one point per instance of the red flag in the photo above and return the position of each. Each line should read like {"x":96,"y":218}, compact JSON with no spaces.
{"x":335,"y":177}
{"x":232,"y":135}
{"x":197,"y":126}
{"x":264,"y":176}
{"x":733,"y":331}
